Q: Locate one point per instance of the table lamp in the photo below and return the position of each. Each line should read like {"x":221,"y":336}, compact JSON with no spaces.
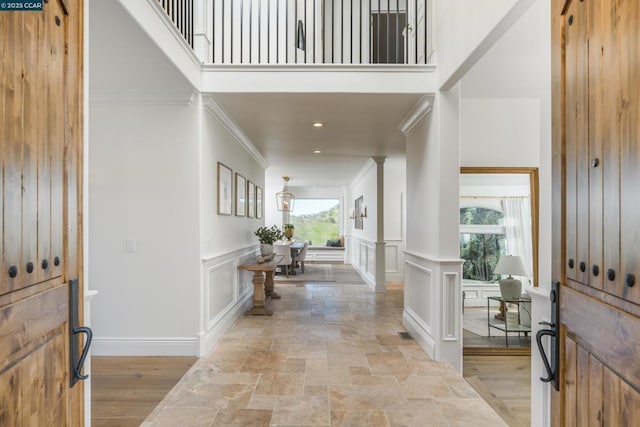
{"x":510,"y":288}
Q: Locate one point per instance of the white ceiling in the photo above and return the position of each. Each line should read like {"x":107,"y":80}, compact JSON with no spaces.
{"x":356,"y":127}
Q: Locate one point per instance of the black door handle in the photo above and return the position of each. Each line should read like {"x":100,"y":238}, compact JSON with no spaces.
{"x":551,"y":374}
{"x":77,"y":372}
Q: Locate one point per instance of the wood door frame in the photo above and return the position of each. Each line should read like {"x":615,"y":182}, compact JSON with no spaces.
{"x":532,"y":172}
{"x":534,"y":194}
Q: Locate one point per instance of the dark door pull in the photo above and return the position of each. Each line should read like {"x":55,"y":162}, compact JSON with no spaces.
{"x":76,"y":364}
{"x":551,"y":364}
{"x":550,"y":372}
{"x":77,"y":372}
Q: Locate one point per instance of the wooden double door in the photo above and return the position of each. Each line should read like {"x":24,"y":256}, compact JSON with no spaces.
{"x":596,"y":131}
{"x":40,"y":212}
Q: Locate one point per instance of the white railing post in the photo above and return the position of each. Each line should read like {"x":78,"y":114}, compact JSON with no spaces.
{"x":202,"y":31}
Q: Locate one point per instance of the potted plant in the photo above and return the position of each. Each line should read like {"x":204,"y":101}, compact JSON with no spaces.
{"x":288,"y":230}
{"x":267,"y":236}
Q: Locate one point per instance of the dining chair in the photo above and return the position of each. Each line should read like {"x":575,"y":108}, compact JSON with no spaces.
{"x":302,"y":255}
{"x":283,"y":250}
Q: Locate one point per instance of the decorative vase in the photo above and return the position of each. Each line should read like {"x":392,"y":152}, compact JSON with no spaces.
{"x":288,"y":231}
{"x":266,"y":249}
{"x":510,"y":289}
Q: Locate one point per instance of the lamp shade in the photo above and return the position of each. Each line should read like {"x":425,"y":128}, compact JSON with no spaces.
{"x":511,"y":265}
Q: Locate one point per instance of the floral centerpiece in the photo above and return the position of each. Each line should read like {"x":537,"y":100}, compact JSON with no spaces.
{"x":288,"y":231}
{"x":267,"y":236}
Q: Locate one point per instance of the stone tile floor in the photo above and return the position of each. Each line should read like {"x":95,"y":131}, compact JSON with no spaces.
{"x":329,"y":356}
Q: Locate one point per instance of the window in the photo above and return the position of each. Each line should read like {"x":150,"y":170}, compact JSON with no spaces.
{"x":316,"y":220}
{"x":482,"y":242}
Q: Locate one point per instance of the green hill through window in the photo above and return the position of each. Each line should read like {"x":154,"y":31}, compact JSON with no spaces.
{"x":318,"y":220}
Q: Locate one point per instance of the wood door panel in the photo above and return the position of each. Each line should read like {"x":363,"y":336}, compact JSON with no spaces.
{"x":57,"y":104}
{"x":582,"y":143}
{"x":41,"y":166}
{"x":32,"y":110}
{"x":628,"y":122}
{"x":12,"y":154}
{"x":570,"y":114}
{"x":33,"y":392}
{"x":609,"y":334}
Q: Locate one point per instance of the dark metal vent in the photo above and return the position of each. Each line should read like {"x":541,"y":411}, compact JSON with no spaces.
{"x":405,"y":335}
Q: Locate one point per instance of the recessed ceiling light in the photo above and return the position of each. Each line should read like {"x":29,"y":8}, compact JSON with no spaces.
{"x":317,"y":151}
{"x":318,"y":125}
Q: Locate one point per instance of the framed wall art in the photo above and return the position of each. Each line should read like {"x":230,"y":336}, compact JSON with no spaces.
{"x":358,"y":212}
{"x":241,"y":195}
{"x":251,"y":199}
{"x":259,"y":202}
{"x":225,"y":190}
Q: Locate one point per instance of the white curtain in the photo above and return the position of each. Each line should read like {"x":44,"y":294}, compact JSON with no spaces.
{"x":517,"y":222}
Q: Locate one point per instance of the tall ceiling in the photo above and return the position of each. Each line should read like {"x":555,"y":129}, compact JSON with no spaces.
{"x":355,"y":127}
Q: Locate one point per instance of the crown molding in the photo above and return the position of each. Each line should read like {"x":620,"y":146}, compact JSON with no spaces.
{"x":417,"y":113}
{"x":221,"y":116}
{"x":140,"y":97}
{"x":360,"y":175}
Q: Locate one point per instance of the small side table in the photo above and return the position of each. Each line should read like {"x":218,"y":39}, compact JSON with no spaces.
{"x":504,"y":326}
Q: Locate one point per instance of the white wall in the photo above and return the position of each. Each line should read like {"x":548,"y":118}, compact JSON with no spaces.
{"x":499,"y":132}
{"x":221,"y":233}
{"x":432,"y":266}
{"x":395,"y":180}
{"x":460,"y":28}
{"x":143,"y":188}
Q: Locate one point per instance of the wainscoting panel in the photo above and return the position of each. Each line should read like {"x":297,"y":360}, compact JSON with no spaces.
{"x":432,"y":305}
{"x":394,"y":261}
{"x":450,"y":307}
{"x":221,"y":288}
{"x":226,"y":294}
{"x":363,"y":259}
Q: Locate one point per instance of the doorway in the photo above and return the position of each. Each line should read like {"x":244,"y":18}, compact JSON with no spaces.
{"x":388,"y":40}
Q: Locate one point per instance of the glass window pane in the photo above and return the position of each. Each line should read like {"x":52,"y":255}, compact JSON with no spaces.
{"x":481,"y":253}
{"x":481,"y":216}
{"x":316,"y":220}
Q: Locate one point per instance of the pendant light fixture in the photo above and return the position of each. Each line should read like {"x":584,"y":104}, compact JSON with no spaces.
{"x":285,"y":199}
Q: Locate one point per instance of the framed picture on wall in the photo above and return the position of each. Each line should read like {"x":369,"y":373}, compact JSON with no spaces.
{"x":225,"y":190}
{"x":358,"y":213}
{"x":251,"y":199}
{"x":259,"y":202}
{"x":241,"y":195}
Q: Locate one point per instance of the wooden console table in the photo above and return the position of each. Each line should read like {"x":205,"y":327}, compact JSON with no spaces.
{"x":262,"y":285}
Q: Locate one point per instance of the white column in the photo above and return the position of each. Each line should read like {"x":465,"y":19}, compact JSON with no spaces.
{"x":380,"y":251}
{"x":202,"y":31}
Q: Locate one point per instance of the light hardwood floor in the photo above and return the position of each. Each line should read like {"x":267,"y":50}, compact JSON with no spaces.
{"x":124,"y":390}
{"x":505,"y":383}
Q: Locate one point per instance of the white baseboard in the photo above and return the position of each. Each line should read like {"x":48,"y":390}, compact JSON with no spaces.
{"x":144,"y":346}
{"x":420,"y":331}
{"x":394,"y":276}
{"x":369,"y":279}
{"x":209,"y":339}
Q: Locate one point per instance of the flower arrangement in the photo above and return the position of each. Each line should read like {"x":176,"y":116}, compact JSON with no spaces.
{"x":267,"y":236}
{"x":288,"y":230}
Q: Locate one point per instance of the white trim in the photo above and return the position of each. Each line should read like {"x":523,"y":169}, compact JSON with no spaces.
{"x":450,"y":307}
{"x":418,"y":267}
{"x":430,"y":258}
{"x":496,"y":33}
{"x":417,"y":113}
{"x":221,"y":116}
{"x":244,"y":250}
{"x":420,"y":331}
{"x":324,"y":68}
{"x":145,"y":346}
{"x":125,"y":98}
{"x":363,"y":171}
{"x":223,"y":322}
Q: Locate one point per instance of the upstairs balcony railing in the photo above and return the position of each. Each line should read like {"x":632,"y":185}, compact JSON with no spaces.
{"x":321,"y":31}
{"x":181,"y":14}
